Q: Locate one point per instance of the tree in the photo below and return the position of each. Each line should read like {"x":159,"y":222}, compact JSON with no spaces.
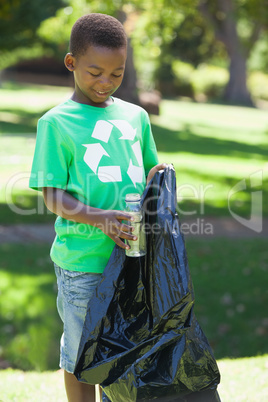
{"x":196,"y":30}
{"x":20,"y":20}
{"x":164,"y":30}
{"x":237,"y":24}
{"x":156,"y":30}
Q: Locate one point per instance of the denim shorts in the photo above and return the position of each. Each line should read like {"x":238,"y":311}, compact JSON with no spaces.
{"x":75,"y":289}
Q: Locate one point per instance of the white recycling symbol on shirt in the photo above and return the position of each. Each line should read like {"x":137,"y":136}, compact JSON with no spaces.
{"x":95,"y":152}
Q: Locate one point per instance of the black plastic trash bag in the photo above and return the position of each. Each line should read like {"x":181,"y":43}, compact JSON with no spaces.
{"x":141,"y":340}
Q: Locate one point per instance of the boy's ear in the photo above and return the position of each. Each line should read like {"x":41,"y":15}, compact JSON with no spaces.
{"x":69,"y":61}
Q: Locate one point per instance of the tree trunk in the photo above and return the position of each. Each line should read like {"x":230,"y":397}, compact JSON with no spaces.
{"x":128,"y":89}
{"x":224,"y":24}
{"x":236,"y":91}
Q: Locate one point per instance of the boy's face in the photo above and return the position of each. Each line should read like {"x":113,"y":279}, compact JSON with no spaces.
{"x":97,"y":74}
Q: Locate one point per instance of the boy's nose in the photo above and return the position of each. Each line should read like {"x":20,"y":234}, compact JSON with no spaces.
{"x":106,"y":82}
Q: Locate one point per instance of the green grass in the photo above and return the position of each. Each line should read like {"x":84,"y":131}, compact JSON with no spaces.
{"x":20,"y":108}
{"x":19,"y":386}
{"x":212,"y":147}
{"x":230,"y":287}
{"x":29,"y":322}
{"x":231,"y":293}
{"x":242,"y":380}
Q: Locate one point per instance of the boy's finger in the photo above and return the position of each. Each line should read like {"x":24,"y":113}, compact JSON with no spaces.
{"x":120,"y":229}
{"x":119,"y":242}
{"x":126,"y":235}
{"x":126,"y":228}
{"x":162,"y":166}
{"x":124,"y":216}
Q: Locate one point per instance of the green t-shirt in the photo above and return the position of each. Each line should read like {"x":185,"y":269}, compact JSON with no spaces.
{"x":98,"y":155}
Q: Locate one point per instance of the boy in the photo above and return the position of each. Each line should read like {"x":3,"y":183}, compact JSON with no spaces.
{"x":90,"y":152}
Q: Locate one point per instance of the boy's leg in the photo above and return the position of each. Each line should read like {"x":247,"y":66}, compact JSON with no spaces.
{"x":74,"y":291}
{"x":98,"y":396}
{"x":77,"y":391}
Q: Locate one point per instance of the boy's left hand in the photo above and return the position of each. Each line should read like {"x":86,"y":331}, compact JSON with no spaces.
{"x":155,"y":169}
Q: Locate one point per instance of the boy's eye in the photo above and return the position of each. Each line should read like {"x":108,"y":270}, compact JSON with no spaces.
{"x":94,"y":75}
{"x":99,"y":74}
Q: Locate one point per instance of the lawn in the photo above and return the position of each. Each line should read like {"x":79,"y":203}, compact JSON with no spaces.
{"x":20,"y":108}
{"x":242,"y":380}
{"x":212,"y":147}
{"x":30,"y":326}
{"x":231,"y":300}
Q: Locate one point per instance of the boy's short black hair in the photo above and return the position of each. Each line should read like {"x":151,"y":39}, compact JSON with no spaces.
{"x":97,"y":30}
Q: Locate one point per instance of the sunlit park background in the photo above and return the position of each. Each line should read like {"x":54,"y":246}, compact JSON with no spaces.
{"x":200,"y":68}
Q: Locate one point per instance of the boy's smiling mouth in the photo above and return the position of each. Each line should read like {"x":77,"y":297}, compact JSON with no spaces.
{"x":103,"y":94}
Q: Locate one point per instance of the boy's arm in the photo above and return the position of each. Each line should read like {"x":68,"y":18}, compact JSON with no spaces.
{"x":155,"y":169}
{"x":68,"y":207}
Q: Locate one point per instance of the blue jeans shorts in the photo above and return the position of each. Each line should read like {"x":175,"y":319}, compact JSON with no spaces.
{"x":75,"y":289}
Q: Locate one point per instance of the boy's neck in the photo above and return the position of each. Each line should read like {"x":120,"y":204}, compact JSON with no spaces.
{"x":86,"y":101}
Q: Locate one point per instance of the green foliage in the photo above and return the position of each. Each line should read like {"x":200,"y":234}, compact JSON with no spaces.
{"x":250,"y":17}
{"x":189,"y":38}
{"x":161,"y":34}
{"x":254,"y":11}
{"x":21,"y":19}
{"x":55,"y":31}
{"x":183,"y":73}
{"x":9,"y":58}
{"x":258,"y":59}
{"x":210,"y":81}
{"x":258,"y":85}
{"x":154,"y":39}
{"x":206,"y":80}
{"x":194,"y":43}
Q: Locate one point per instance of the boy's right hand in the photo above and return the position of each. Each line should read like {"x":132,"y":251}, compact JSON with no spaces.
{"x":110,"y":222}
{"x":65,"y":205}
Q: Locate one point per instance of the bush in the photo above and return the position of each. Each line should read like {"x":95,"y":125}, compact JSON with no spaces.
{"x":209,"y":81}
{"x":206,"y":80}
{"x":258,"y":85}
{"x":183,"y":73}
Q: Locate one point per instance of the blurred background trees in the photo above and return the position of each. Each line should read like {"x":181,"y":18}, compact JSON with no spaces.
{"x":215,"y":51}
{"x":237,"y":24}
{"x":203,"y":49}
{"x":19,"y":23}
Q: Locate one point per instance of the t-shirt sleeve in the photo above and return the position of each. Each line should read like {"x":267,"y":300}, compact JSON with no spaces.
{"x":51,"y":158}
{"x":150,"y":158}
